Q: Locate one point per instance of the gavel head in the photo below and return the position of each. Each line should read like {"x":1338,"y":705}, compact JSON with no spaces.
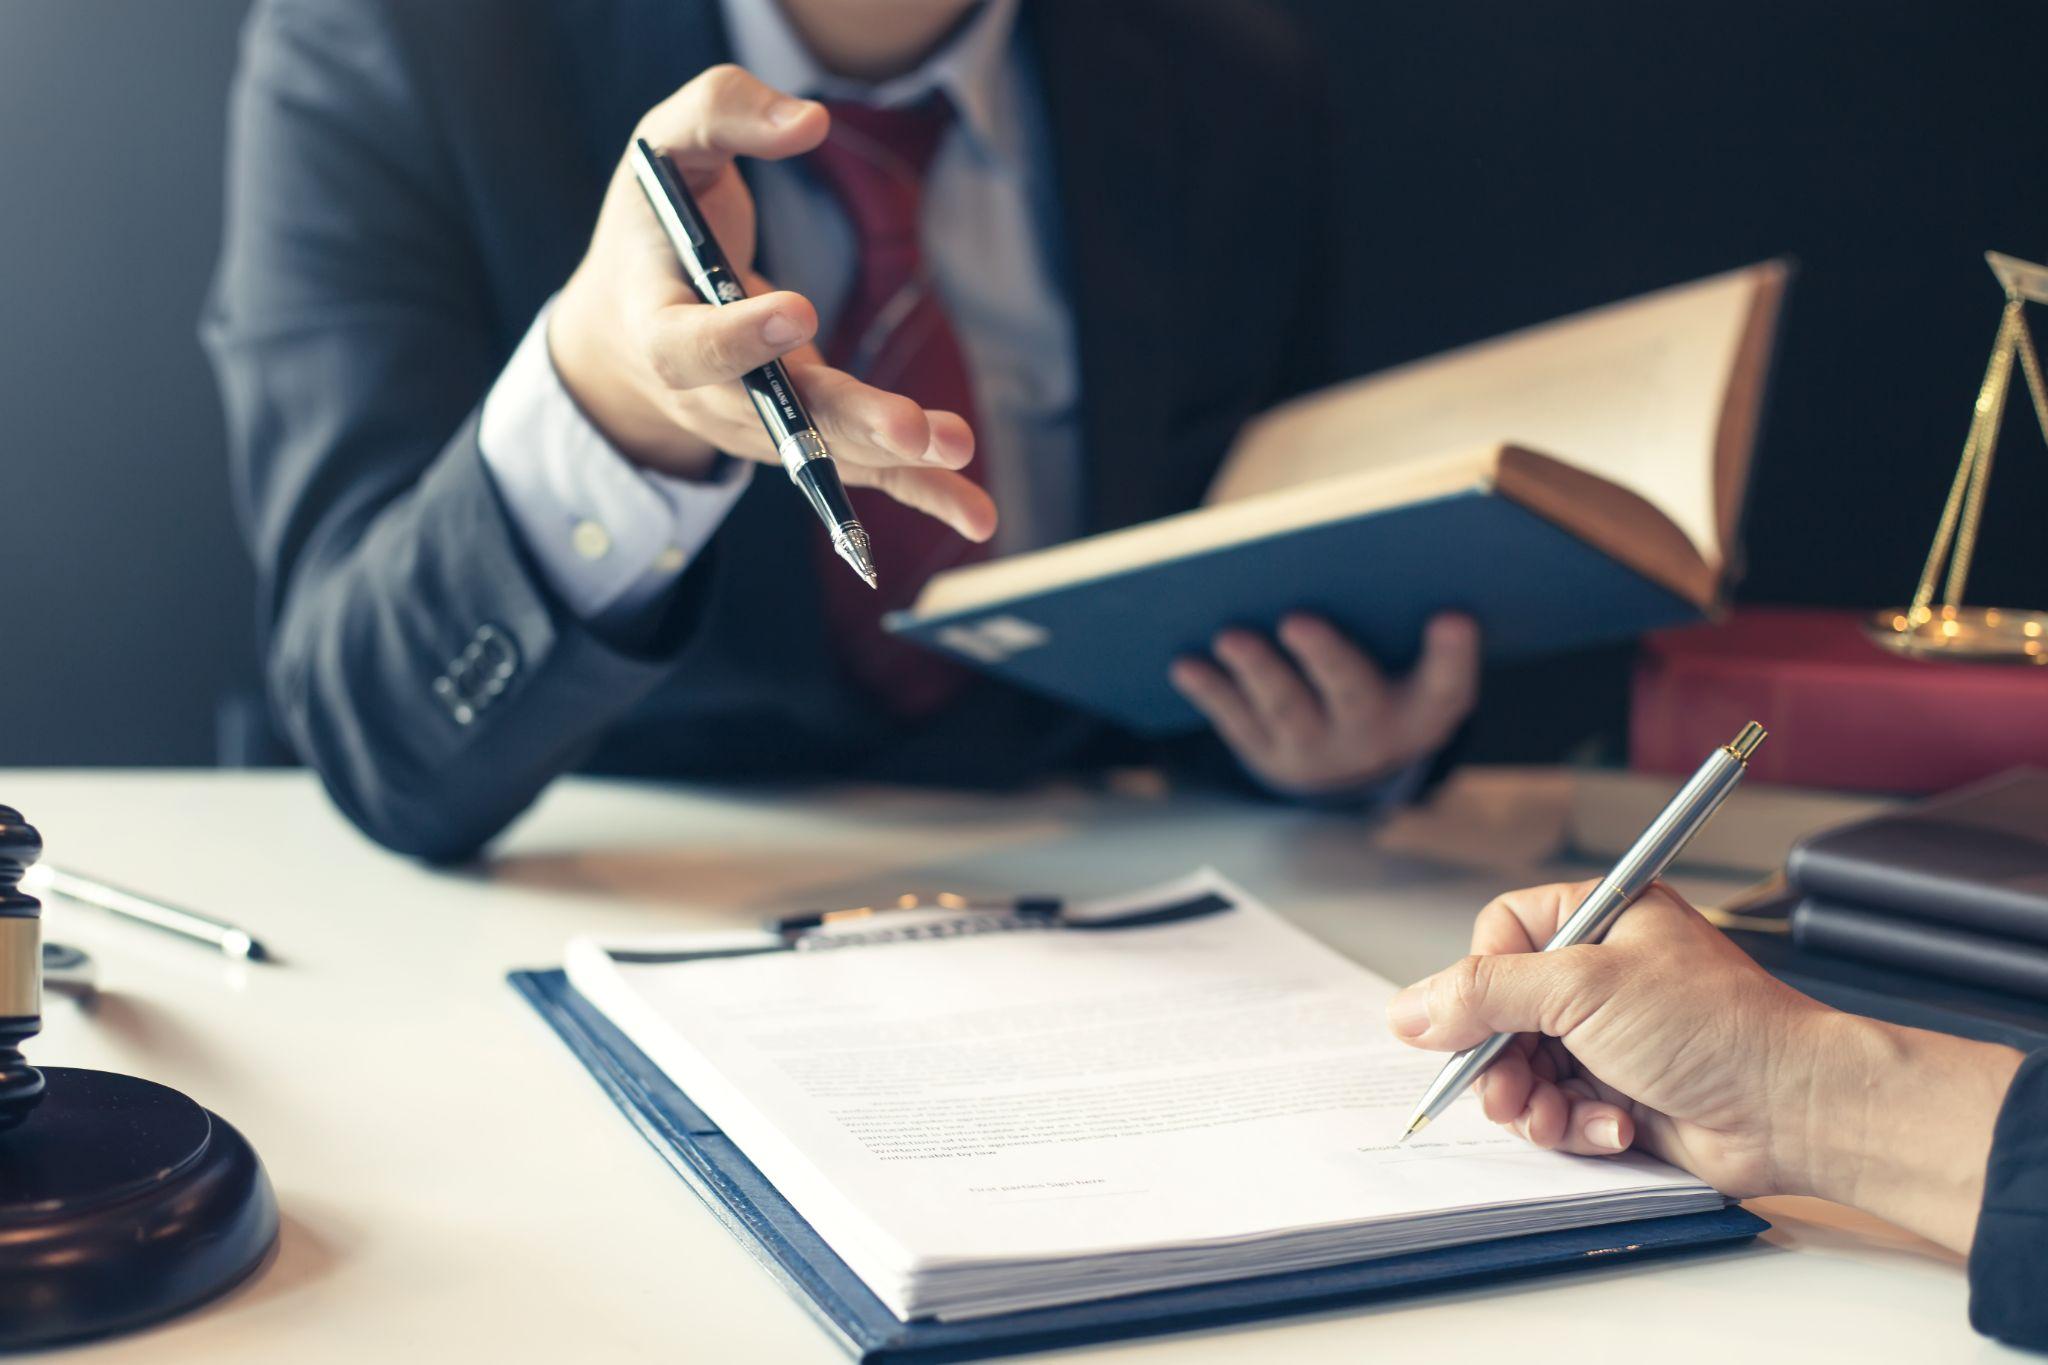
{"x":21,"y":968}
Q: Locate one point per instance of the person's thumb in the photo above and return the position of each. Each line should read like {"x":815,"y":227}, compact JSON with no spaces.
{"x":1477,"y":997}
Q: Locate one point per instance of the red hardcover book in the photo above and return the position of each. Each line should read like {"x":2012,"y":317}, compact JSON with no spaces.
{"x":1842,"y":712}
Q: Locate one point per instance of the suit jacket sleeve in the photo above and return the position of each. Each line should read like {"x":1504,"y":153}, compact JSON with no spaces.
{"x":412,"y":654}
{"x":2009,"y":1260}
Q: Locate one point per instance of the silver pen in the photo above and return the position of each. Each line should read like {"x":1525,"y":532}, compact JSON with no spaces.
{"x":42,"y":879}
{"x":1638,"y":869}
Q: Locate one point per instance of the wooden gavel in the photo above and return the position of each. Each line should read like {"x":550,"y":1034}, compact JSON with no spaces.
{"x":122,"y":1201}
{"x":21,"y":969}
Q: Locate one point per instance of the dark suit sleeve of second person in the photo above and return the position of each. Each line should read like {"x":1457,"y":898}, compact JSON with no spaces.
{"x":412,"y":654}
{"x":2009,"y":1259}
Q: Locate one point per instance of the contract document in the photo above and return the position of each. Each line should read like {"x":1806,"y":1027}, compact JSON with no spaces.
{"x":1170,"y":1088}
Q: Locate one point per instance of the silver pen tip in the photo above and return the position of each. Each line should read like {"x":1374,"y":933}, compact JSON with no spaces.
{"x":852,"y":545}
{"x":1415,"y":1125}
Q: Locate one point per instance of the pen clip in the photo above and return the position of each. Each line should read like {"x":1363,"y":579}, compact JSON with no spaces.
{"x":668,"y":191}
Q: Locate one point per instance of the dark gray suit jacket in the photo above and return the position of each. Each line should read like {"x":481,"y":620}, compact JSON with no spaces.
{"x":410,"y":179}
{"x":2009,"y":1259}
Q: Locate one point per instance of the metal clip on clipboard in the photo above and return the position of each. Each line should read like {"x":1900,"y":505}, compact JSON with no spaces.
{"x":955,"y":916}
{"x":911,"y":917}
{"x":946,"y":915}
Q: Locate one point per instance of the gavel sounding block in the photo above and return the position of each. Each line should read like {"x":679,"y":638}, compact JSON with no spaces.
{"x":122,"y":1202}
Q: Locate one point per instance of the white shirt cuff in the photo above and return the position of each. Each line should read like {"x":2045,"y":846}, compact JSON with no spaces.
{"x":610,"y":536}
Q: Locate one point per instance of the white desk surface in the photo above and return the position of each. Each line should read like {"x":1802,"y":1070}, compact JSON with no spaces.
{"x":454,"y":1187}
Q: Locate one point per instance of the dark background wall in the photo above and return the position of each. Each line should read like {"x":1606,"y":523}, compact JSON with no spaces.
{"x":1521,"y":161}
{"x":1502,"y":165}
{"x":128,"y":597}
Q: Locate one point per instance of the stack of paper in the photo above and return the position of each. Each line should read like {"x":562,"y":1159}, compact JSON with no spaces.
{"x":985,"y":1123}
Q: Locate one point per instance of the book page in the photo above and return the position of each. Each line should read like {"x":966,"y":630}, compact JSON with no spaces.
{"x":1633,"y":392}
{"x":1026,"y":1099}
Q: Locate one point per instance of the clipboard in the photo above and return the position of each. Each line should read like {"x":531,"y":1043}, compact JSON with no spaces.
{"x":778,"y":1237}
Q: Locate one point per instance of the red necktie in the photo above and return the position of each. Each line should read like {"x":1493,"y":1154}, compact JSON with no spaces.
{"x":892,"y":332}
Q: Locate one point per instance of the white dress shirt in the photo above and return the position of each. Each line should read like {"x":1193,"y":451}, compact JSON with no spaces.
{"x":611,"y":536}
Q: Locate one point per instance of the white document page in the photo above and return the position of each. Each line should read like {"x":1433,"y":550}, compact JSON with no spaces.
{"x":1147,"y":1096}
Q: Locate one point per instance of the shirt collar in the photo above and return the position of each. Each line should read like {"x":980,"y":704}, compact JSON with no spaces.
{"x":972,"y":69}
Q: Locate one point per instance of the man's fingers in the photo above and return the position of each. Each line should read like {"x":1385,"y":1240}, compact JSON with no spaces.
{"x":1595,"y":1127}
{"x":1440,"y":691}
{"x":1351,"y":689}
{"x":1523,"y":921}
{"x":1565,"y":1117}
{"x":727,"y":112}
{"x":867,"y":425}
{"x":722,"y":414}
{"x":1211,"y":692}
{"x":951,"y":440}
{"x":1288,"y":712}
{"x":1504,"y":1089}
{"x":693,"y":345}
{"x":1477,"y":997}
{"x":1544,"y":1119}
{"x":953,"y":498}
{"x":803,"y":355}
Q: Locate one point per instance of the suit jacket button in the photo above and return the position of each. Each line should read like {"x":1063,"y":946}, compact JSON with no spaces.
{"x":496,"y":655}
{"x":591,"y":540}
{"x":478,"y":675}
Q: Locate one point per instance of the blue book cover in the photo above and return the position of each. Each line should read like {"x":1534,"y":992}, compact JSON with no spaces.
{"x":1568,"y":485}
{"x":1104,"y":644}
{"x":768,"y":1226}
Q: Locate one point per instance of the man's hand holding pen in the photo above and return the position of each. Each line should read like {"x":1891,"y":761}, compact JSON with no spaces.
{"x":1631,"y":1041}
{"x":655,"y":368}
{"x":1669,"y":1038}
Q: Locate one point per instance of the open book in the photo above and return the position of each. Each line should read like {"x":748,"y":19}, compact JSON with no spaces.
{"x":1577,"y":482}
{"x":1172,"y":1088}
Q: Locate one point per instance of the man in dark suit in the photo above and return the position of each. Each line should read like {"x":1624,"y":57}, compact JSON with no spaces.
{"x":499,"y":481}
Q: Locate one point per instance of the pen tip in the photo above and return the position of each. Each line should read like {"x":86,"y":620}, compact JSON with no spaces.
{"x":852,"y":546}
{"x":1415,"y":1125}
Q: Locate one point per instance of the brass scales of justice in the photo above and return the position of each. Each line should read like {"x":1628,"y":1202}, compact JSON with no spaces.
{"x":1951,"y":630}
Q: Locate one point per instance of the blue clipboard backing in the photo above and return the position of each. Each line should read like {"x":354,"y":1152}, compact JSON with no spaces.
{"x":755,"y":1213}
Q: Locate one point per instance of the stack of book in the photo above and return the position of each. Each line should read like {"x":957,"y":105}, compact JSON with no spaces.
{"x":1754,"y":831}
{"x":1844,"y":715}
{"x":1955,"y":887}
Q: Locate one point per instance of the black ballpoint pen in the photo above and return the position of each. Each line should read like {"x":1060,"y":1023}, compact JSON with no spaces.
{"x":790,"y":428}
